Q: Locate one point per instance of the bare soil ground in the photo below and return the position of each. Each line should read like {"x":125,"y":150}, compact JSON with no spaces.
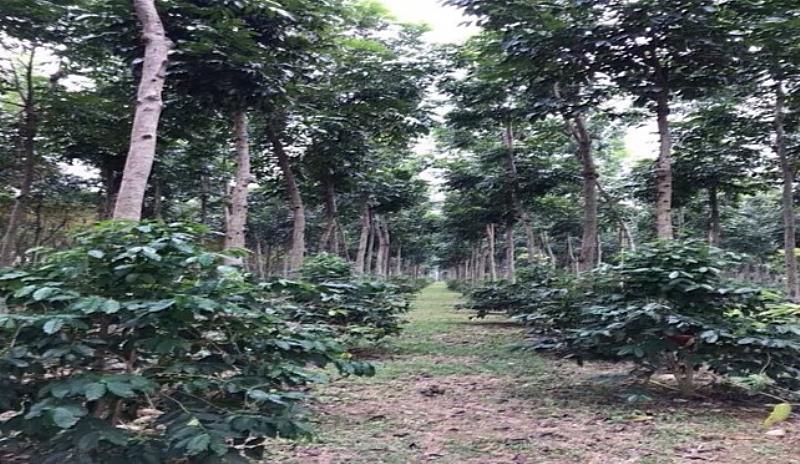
{"x":453,"y":390}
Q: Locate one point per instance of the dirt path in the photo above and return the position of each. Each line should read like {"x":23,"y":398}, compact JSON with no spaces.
{"x":452,"y":390}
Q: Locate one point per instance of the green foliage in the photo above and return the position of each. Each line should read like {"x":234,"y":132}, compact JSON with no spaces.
{"x":409,"y":285}
{"x":666,"y":306}
{"x":366,"y":308}
{"x":325,"y":267}
{"x":135,"y":345}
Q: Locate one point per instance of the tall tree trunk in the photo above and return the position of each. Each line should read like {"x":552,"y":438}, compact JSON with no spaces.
{"x":516,"y":204}
{"x":788,"y":171}
{"x":664,"y":172}
{"x":491,"y":238}
{"x":363,"y":242}
{"x":380,"y":262}
{"x":386,"y":248}
{"x":530,"y":236}
{"x":328,"y":239}
{"x":298,"y":249}
{"x":259,"y":256}
{"x":368,"y":262}
{"x":237,"y":221}
{"x":511,"y":258}
{"x":549,"y":249}
{"x":714,"y":229}
{"x":481,"y":262}
{"x":573,"y":260}
{"x":148,"y":112}
{"x":589,"y":245}
{"x":399,"y":263}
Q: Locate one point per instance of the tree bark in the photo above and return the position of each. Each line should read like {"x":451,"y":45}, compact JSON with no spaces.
{"x":380,"y":263}
{"x":237,"y":220}
{"x":149,"y":104}
{"x":370,"y":260}
{"x":298,"y":249}
{"x":363,"y":242}
{"x":491,"y":238}
{"x":328,"y":241}
{"x":530,"y":237}
{"x":788,"y":171}
{"x":664,"y":172}
{"x":589,"y":245}
{"x":387,"y":248}
{"x":399,"y":263}
{"x":714,"y":229}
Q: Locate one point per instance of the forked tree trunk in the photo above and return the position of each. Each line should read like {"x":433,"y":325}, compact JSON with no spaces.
{"x":549,"y":249}
{"x":298,"y":248}
{"x":148,"y":112}
{"x":788,"y":171}
{"x":664,"y":173}
{"x":714,"y":229}
{"x":237,"y":220}
{"x":491,"y":238}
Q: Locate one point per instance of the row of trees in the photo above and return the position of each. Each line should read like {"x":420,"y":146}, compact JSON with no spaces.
{"x":288,"y":125}
{"x":550,"y":90}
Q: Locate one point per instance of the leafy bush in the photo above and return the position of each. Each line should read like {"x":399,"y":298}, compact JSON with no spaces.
{"x":136,"y":346}
{"x":367,"y":308}
{"x":409,"y":285}
{"x":665,"y":307}
{"x":325,"y":267}
{"x":541,"y":296}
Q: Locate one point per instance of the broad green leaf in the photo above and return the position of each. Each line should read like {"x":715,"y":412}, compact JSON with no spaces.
{"x":121,"y":389}
{"x":66,"y":417}
{"x":94,"y":391}
{"x":52,"y":326}
{"x":198,"y":444}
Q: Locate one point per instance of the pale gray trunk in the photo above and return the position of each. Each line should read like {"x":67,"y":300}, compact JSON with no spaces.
{"x":491,"y":238}
{"x":399,"y":263}
{"x":149,"y":103}
{"x":383,"y":245}
{"x":237,"y":220}
{"x":573,"y":260}
{"x":664,"y":173}
{"x":789,"y":220}
{"x":530,"y":237}
{"x":511,"y":258}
